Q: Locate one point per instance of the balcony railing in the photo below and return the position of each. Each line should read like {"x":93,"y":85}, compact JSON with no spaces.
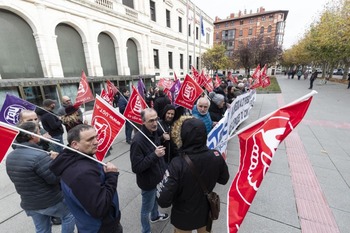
{"x":105,"y":3}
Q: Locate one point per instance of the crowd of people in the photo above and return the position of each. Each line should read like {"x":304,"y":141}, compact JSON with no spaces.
{"x":60,"y":183}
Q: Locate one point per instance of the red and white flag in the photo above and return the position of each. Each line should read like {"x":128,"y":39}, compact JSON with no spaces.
{"x":165,"y":83}
{"x":84,"y":92}
{"x":189,"y":93}
{"x":208,"y":85}
{"x":108,"y":123}
{"x":265,"y":80}
{"x":106,"y":97}
{"x":7,"y":137}
{"x":217,"y":81}
{"x":134,"y":107}
{"x":258,"y":144}
{"x":111,"y":90}
{"x":196,"y":76}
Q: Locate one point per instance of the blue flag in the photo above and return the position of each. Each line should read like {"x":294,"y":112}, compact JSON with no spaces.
{"x":12,"y":107}
{"x":202,"y":26}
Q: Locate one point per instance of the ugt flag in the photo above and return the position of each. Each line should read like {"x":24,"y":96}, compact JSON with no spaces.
{"x":107,"y":123}
{"x":134,"y":107}
{"x":189,"y":93}
{"x":84,"y":92}
{"x":12,"y":107}
{"x":7,"y":137}
{"x":258,"y":144}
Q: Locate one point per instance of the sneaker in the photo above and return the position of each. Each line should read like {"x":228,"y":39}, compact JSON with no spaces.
{"x":56,"y":221}
{"x":161,"y":217}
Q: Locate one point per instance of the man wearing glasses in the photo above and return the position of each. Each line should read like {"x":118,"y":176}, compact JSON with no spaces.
{"x":66,"y":101}
{"x":148,"y":163}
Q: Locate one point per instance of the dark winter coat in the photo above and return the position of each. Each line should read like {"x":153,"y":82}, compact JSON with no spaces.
{"x":29,"y":170}
{"x":149,"y":168}
{"x":90,"y":193}
{"x":51,"y":124}
{"x":180,"y":188}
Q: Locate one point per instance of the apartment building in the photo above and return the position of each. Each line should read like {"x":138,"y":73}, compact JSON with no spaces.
{"x":240,"y":28}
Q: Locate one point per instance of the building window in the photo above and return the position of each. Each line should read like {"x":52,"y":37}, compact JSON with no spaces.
{"x":269,"y":28}
{"x":189,"y":61}
{"x":270,"y":17}
{"x":153,"y":10}
{"x":197,"y":63}
{"x":263,"y":18}
{"x":129,"y":3}
{"x":167,"y":18}
{"x":207,"y":38}
{"x":217,"y":36}
{"x":189,"y":30}
{"x":251,"y":20}
{"x":241,"y":22}
{"x":156,"y":58}
{"x":181,"y":61}
{"x":197,"y":33}
{"x":261,"y":30}
{"x":170,"y":59}
{"x":241,"y":32}
{"x":232,"y":23}
{"x":226,"y":24}
{"x":217,"y":26}
{"x":180,"y":24}
{"x":250,"y":31}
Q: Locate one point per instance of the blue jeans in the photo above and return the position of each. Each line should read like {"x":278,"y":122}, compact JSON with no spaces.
{"x":149,"y":205}
{"x":128,"y":131}
{"x":59,"y":138}
{"x":42,"y":218}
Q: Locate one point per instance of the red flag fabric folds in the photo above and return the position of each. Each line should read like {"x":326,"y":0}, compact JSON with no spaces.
{"x":258,"y":144}
{"x":108,"y":123}
{"x":189,"y":93}
{"x":7,"y":137}
{"x":84,"y":92}
{"x":134,"y":107}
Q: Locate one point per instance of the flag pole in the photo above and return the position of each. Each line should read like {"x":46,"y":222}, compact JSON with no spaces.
{"x":312,"y":93}
{"x":140,"y":131}
{"x":51,"y":141}
{"x":188,"y":68}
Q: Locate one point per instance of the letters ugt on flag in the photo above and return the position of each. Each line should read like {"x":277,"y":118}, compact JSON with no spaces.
{"x":107,"y":123}
{"x":134,"y":107}
{"x":258,"y":145}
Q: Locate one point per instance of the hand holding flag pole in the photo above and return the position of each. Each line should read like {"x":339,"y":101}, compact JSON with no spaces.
{"x":51,"y":141}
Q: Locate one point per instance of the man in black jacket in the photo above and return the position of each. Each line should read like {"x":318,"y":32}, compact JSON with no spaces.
{"x":52,"y":123}
{"x":41,"y":197}
{"x":90,"y":190}
{"x":148,"y":164}
{"x":180,"y":187}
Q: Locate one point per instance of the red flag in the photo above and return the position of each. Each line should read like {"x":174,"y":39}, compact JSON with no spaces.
{"x":106,"y":97}
{"x":111,"y":89}
{"x":256,"y":73}
{"x":108,"y":123}
{"x":217,"y":81}
{"x":84,"y":92}
{"x":165,"y":83}
{"x":258,"y":144}
{"x":134,"y":107}
{"x":169,"y":94}
{"x":189,"y":93}
{"x":209,"y":84}
{"x":265,"y":80}
{"x":7,"y":137}
{"x":196,"y":76}
{"x":175,"y":77}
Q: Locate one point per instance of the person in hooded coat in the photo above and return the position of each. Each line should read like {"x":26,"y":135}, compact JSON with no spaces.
{"x":180,"y":188}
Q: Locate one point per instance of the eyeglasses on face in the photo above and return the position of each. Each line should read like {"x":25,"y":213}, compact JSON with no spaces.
{"x":152,"y":120}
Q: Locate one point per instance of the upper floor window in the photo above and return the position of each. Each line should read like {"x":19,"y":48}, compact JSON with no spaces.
{"x":251,"y":20}
{"x":270,"y":17}
{"x":167,"y":18}
{"x":180,"y":24}
{"x":241,"y":22}
{"x":181,"y":61}
{"x":250,"y":31}
{"x":217,"y":36}
{"x":241,"y":32}
{"x":269,"y":28}
{"x":153,"y":10}
{"x":197,"y":32}
{"x":263,"y":18}
{"x":226,"y":24}
{"x":156,"y":58}
{"x":189,"y":30}
{"x":262,"y":30}
{"x":129,"y":3}
{"x":170,"y":59}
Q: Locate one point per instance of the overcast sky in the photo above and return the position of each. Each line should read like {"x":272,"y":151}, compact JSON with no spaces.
{"x":301,"y":12}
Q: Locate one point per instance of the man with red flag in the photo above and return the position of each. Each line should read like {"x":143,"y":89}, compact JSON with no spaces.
{"x":258,"y":144}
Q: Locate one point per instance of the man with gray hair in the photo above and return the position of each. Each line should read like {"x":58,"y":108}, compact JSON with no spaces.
{"x":200,"y":111}
{"x":149,"y":165}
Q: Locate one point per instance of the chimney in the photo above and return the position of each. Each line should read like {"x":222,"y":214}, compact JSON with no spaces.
{"x":232,"y":15}
{"x":245,"y":11}
{"x":251,"y":12}
{"x":262,"y":9}
{"x":217,"y":18}
{"x":239,"y":13}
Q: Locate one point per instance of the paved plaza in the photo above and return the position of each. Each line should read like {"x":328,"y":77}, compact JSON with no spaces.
{"x":307,"y":188}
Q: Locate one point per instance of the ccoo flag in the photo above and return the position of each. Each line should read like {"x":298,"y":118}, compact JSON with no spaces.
{"x":258,"y":144}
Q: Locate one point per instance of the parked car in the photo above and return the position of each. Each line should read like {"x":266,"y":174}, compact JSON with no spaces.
{"x":319,"y":70}
{"x":338,"y":71}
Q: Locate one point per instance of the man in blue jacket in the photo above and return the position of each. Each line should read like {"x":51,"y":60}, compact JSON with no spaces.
{"x":90,"y":189}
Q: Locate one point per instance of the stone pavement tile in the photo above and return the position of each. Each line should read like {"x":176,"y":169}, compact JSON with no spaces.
{"x":342,"y":219}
